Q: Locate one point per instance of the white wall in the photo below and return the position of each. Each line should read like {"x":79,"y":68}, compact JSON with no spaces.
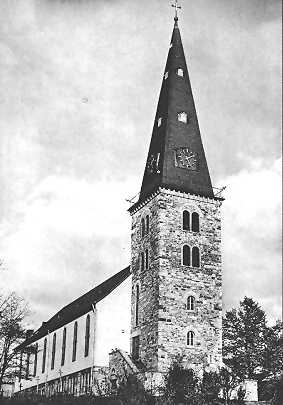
{"x":109,"y":328}
{"x":69,"y":366}
{"x":113,"y":323}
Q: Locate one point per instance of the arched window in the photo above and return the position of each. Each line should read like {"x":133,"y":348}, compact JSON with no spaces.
{"x":186,"y":220}
{"x":186,"y":255}
{"x":87,"y":334}
{"x":146,"y":259}
{"x":142,"y":261}
{"x":183,"y":117}
{"x":27,"y":365}
{"x":195,"y":257}
{"x":195,"y":222}
{"x":190,"y":338}
{"x":166,"y":75}
{"x":63,"y":347}
{"x":53,"y":351}
{"x":159,"y":122}
{"x":137,"y":305}
{"x":75,"y":340}
{"x":44,"y":355}
{"x":147,"y":224}
{"x":35,"y":360}
{"x":142,"y":228}
{"x":180,"y":72}
{"x":191,"y":303}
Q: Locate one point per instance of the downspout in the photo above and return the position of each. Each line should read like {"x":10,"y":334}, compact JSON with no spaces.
{"x":93,"y":346}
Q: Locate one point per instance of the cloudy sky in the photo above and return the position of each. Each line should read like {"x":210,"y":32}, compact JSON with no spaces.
{"x":79,"y":87}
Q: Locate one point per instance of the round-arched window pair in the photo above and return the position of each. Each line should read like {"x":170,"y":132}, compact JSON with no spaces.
{"x":190,"y":222}
{"x":191,"y":257}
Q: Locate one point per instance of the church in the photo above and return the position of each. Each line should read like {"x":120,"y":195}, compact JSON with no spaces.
{"x":175,"y":269}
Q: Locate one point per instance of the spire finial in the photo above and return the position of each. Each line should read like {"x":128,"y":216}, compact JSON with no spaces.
{"x":176,"y":6}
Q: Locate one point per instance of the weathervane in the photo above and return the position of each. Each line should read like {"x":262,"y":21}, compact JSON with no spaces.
{"x":176,"y":6}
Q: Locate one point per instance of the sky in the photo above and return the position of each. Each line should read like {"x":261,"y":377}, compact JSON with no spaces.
{"x":79,"y":82}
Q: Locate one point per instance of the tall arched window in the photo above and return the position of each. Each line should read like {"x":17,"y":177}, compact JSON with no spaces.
{"x":35,"y":360}
{"x":63,"y":347}
{"x":191,"y":303}
{"x":186,"y":255}
{"x":27,"y":365}
{"x":142,"y":227}
{"x":44,"y":355}
{"x":146,"y":259}
{"x":137,"y":305}
{"x":186,"y":220}
{"x":195,"y":257}
{"x":75,"y":341}
{"x":142,"y":261}
{"x":147,"y":224}
{"x":190,"y":338}
{"x":195,"y":222}
{"x":53,"y":351}
{"x":87,"y":335}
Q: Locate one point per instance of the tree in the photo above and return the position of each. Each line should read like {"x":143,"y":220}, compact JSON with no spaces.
{"x":251,"y":349}
{"x":229,"y":382}
{"x":244,"y":332}
{"x":181,"y":385}
{"x":273,"y":354}
{"x":13,"y":311}
{"x":210,"y":388}
{"x":131,"y":391}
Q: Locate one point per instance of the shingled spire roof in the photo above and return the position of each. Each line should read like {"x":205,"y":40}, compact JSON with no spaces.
{"x":176,"y":158}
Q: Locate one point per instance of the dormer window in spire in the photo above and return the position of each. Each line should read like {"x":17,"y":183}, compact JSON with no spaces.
{"x":166,"y":75}
{"x":159,"y":122}
{"x":180,"y":72}
{"x":183,"y":117}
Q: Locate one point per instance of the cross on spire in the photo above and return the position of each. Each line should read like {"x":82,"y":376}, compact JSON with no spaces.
{"x":176,"y":6}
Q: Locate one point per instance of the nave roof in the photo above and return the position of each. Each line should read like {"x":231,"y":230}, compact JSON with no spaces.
{"x":78,"y":307}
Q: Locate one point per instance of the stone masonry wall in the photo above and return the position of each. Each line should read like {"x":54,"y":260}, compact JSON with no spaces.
{"x":164,"y":319}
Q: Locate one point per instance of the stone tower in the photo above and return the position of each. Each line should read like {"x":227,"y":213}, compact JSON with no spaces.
{"x":176,"y":236}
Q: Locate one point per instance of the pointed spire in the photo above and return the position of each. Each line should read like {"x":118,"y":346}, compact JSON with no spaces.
{"x":176,"y":157}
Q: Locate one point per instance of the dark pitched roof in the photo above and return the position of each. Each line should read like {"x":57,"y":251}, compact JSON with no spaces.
{"x":79,"y":307}
{"x":173,"y":141}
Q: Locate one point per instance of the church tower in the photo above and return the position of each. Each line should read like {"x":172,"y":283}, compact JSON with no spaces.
{"x":176,"y":236}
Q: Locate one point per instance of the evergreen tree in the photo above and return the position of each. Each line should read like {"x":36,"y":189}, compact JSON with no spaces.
{"x":244,"y":339}
{"x":181,"y":386}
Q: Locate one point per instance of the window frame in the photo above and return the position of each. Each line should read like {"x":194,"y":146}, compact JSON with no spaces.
{"x":35,"y":360}
{"x":75,"y":341}
{"x":87,"y":335}
{"x":53,"y":352}
{"x":142,"y":227}
{"x":191,"y":303}
{"x":43,"y":366}
{"x":63,"y":350}
{"x":195,"y":222}
{"x":193,"y":257}
{"x":137,"y":300}
{"x":186,"y":221}
{"x":191,"y":338}
{"x":189,"y":255}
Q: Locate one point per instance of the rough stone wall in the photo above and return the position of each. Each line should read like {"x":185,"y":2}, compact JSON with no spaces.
{"x":148,"y":280}
{"x":164,"y":319}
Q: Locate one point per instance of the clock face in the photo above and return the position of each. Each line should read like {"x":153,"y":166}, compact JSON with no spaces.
{"x":186,"y":159}
{"x":152,"y":165}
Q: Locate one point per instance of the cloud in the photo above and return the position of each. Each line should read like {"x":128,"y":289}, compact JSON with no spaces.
{"x":70,"y":235}
{"x":67,"y":164}
{"x":252,"y":237}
